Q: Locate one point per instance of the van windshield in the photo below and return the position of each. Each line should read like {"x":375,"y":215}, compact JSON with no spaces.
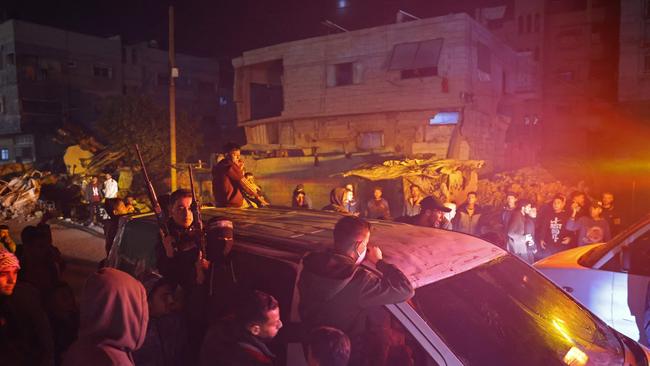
{"x":505,"y":313}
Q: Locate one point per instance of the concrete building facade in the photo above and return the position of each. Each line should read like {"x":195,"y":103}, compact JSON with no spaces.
{"x":445,"y":87}
{"x":51,"y":77}
{"x":634,"y":65}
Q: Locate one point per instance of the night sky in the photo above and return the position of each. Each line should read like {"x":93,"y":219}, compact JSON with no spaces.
{"x":223,"y":29}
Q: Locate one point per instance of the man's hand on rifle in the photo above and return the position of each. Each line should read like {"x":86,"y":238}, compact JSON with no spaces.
{"x":201,"y":265}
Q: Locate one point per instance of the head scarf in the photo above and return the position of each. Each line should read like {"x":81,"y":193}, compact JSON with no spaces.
{"x":8,"y":260}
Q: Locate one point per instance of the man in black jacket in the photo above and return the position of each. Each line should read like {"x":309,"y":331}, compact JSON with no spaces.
{"x":241,"y":340}
{"x":336,"y":291}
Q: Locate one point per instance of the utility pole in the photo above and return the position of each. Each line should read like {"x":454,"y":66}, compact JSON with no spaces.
{"x":173,"y":74}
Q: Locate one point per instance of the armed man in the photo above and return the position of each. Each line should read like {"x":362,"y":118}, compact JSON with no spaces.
{"x":180,"y":261}
{"x":229,"y":184}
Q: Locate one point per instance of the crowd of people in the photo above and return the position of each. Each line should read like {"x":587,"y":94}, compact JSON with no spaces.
{"x":193,"y":311}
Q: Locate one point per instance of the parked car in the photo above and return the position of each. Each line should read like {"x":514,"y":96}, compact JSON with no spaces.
{"x":474,"y":303}
{"x":610,"y":279}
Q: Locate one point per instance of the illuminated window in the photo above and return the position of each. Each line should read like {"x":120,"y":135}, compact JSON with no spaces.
{"x":4,"y":154}
{"x":445,"y":118}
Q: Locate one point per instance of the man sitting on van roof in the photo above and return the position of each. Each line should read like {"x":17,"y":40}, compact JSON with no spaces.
{"x":335,"y":291}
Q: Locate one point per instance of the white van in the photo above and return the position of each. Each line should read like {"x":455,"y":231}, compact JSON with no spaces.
{"x":611,"y":279}
{"x":474,"y":303}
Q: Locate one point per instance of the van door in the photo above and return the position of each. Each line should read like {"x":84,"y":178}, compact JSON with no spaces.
{"x":630,"y":289}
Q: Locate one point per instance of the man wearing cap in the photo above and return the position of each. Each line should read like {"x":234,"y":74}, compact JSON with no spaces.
{"x":591,"y":229}
{"x":432,"y":214}
{"x":25,"y":332}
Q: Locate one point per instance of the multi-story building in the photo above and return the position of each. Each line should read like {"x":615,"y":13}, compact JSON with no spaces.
{"x":576,"y":42}
{"x":445,"y":87}
{"x":634,"y":65}
{"x":50,"y":77}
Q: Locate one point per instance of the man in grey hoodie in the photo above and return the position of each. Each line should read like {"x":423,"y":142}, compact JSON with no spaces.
{"x":114,"y":317}
{"x":336,"y":291}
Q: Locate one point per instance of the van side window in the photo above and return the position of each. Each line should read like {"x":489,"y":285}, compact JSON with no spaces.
{"x":386,"y":342}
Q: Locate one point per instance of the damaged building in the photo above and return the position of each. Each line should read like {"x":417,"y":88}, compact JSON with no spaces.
{"x":442,"y":87}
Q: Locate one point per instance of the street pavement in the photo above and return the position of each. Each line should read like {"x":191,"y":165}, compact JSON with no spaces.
{"x":81,"y":247}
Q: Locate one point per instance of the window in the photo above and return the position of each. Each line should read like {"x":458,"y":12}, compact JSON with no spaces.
{"x":371,"y":140}
{"x":445,"y":118}
{"x":4,"y":154}
{"x":506,"y":304}
{"x":3,"y":108}
{"x":538,"y":23}
{"x":529,"y":23}
{"x":520,"y":24}
{"x":346,"y":73}
{"x":343,"y":73}
{"x":419,"y":73}
{"x":134,"y":56}
{"x":484,"y":62}
{"x":101,"y":71}
{"x":24,"y":140}
{"x":416,"y":59}
{"x":10,"y":59}
{"x":646,"y":9}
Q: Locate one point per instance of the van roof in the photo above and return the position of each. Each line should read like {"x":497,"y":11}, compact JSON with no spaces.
{"x":425,"y":255}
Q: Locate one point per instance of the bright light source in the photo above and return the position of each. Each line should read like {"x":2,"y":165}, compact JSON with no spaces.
{"x":575,"y":357}
{"x":343,"y":4}
{"x":445,"y":118}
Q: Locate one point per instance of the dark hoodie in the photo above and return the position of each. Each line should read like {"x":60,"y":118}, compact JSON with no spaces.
{"x":334,"y":291}
{"x":114,"y":317}
{"x":228,"y":344}
{"x":337,"y":196}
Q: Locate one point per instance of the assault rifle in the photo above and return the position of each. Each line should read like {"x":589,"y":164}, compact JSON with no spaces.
{"x":160,"y":217}
{"x":196,"y":212}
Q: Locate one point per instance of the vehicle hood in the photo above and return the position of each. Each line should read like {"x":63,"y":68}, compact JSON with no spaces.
{"x":565,"y":259}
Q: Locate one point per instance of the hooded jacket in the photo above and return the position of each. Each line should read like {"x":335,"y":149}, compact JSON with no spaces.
{"x":337,"y":196}
{"x":334,"y":291}
{"x":114,"y":317}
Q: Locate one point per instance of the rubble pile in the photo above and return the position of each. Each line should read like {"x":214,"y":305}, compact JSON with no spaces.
{"x":19,"y":197}
{"x":533,"y":183}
